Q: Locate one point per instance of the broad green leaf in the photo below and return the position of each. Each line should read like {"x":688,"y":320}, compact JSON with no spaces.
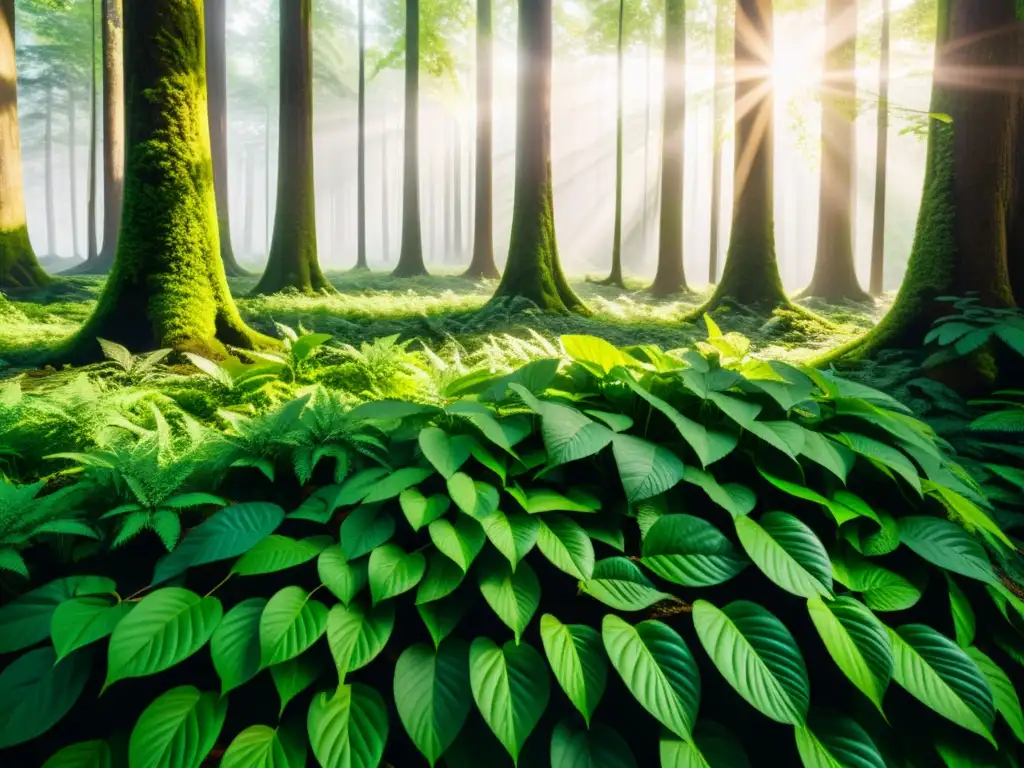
{"x":784,"y":436}
{"x":478,"y":500}
{"x":969,"y":512}
{"x":512,"y":535}
{"x":881,"y":589}
{"x":365,"y":528}
{"x":512,"y":595}
{"x":26,"y":620}
{"x":511,"y":689}
{"x":758,"y":657}
{"x":690,"y":551}
{"x":791,"y":487}
{"x":600,"y":354}
{"x":290,"y":623}
{"x":393,"y":485}
{"x":164,"y":629}
{"x":440,"y":617}
{"x":1004,"y":694}
{"x":419,"y":510}
{"x":941,"y":676}
{"x":260,"y":746}
{"x":433,"y":695}
{"x":294,"y":676}
{"x":443,"y":577}
{"x":657,"y":668}
{"x":392,"y":571}
{"x":446,"y":453}
{"x":235,"y":644}
{"x":738,"y":500}
{"x":343,"y":578}
{"x":712,"y":747}
{"x":833,"y":456}
{"x":617,"y":422}
{"x":568,"y":434}
{"x":84,"y":754}
{"x":357,"y":636}
{"x":594,"y":747}
{"x":885,"y":456}
{"x":278,"y":553}
{"x":537,"y":501}
{"x":963,"y":614}
{"x":947,"y":545}
{"x":577,"y":658}
{"x":177,"y":730}
{"x":857,"y":642}
{"x":36,"y":692}
{"x":787,"y":552}
{"x":564,"y":542}
{"x":83,"y":620}
{"x":228,"y":533}
{"x":460,"y":542}
{"x":355,"y":489}
{"x":645,"y":468}
{"x":348,"y":729}
{"x":619,"y":584}
{"x":832,"y":741}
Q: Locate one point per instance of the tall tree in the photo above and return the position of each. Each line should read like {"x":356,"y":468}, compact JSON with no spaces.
{"x":877,"y":283}
{"x":72,"y":169}
{"x":217,"y":87}
{"x":615,"y":277}
{"x":167,"y":287}
{"x":482,"y":264}
{"x":533,"y":270}
{"x":293,"y":253}
{"x":92,"y":244}
{"x":410,"y":258}
{"x":718,"y":111}
{"x":835,"y":273}
{"x":385,"y":198}
{"x":456,"y":254}
{"x":51,"y":219}
{"x":361,"y":149}
{"x":670,"y":277}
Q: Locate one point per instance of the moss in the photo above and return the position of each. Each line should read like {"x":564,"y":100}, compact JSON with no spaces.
{"x":19,"y":267}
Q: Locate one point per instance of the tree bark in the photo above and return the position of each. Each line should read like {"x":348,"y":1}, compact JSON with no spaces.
{"x":449,"y":197}
{"x":91,"y":234}
{"x":51,"y":218}
{"x":457,"y":191}
{"x":361,"y":170}
{"x":647,"y":143}
{"x":533,"y":270}
{"x":293,"y":250}
{"x":217,"y":98}
{"x":72,"y":172}
{"x":718,"y":105}
{"x":410,"y":258}
{"x":385,"y":200}
{"x":670,"y":277}
{"x":19,"y":267}
{"x":877,"y":283}
{"x":250,"y":200}
{"x":167,"y":287}
{"x":482,"y":264}
{"x":835,"y":273}
{"x":615,"y":277}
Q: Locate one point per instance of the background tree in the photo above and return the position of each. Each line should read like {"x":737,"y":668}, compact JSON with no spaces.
{"x":410,"y":257}
{"x":361,"y":150}
{"x":722,"y":50}
{"x":876,"y":286}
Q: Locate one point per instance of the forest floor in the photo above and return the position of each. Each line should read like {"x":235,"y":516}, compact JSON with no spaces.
{"x":440,"y":308}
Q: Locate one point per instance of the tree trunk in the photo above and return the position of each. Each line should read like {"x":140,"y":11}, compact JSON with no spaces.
{"x":250,"y":200}
{"x":615,"y":277}
{"x":482,"y":264}
{"x":361,"y":170}
{"x":963,"y":231}
{"x":533,"y":270}
{"x":647,"y":143}
{"x":266,"y":175}
{"x":751,"y":275}
{"x":19,"y":267}
{"x":385,"y":200}
{"x":292,"y":262}
{"x":447,"y":175}
{"x":410,"y":259}
{"x":72,"y":173}
{"x":670,"y":277}
{"x":92,"y":244}
{"x":167,"y":287}
{"x":457,"y":191}
{"x":51,"y":217}
{"x":217,"y":98}
{"x":877,"y":284}
{"x":718,"y":110}
{"x":835,"y":273}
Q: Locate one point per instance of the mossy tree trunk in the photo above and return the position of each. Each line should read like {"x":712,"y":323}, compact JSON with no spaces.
{"x":835,"y":274}
{"x":167,"y":287}
{"x":670,"y":277}
{"x":361,"y":149}
{"x":533,"y":270}
{"x":615,"y":277}
{"x":963,"y":228}
{"x":482,"y":264}
{"x":876,"y":286}
{"x":410,"y":258}
{"x":293,"y":254}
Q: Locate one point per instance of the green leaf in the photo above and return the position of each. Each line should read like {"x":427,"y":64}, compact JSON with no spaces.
{"x":83,"y":620}
{"x":478,"y":500}
{"x":228,"y":533}
{"x":260,"y":746}
{"x":657,"y":668}
{"x":713,"y":747}
{"x":597,"y":747}
{"x":357,"y":636}
{"x":294,"y":676}
{"x":831,"y":741}
{"x":393,"y":485}
{"x":537,"y":501}
{"x":598,"y":353}
{"x":392,"y":571}
{"x":84,"y":754}
{"x":885,"y":456}
{"x":564,"y":542}
{"x":443,"y":577}
{"x":788,"y":553}
{"x":177,"y":730}
{"x":348,"y":729}
{"x":440,"y":617}
{"x":356,"y":488}
{"x":963,"y":614}
{"x":164,"y":629}
{"x":36,"y":692}
{"x":512,"y":595}
{"x":1004,"y":693}
{"x":446,"y":453}
{"x":690,"y":551}
{"x":461,"y":542}
{"x":833,"y":456}
{"x":857,"y":642}
{"x":26,"y":620}
{"x":645,"y":468}
{"x":568,"y":434}
{"x":577,"y":658}
{"x":433,"y":695}
{"x":617,"y":422}
{"x":758,"y":657}
{"x":290,"y":623}
{"x":738,"y":500}
{"x":364,"y":529}
{"x":419,"y":510}
{"x":882,"y":589}
{"x":278,"y":553}
{"x":512,"y":535}
{"x":343,"y":578}
{"x":511,"y":689}
{"x":235,"y":644}
{"x":941,"y":676}
{"x":947,"y":545}
{"x":619,"y":584}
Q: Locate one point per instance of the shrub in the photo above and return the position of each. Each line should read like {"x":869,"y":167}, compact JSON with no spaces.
{"x":616,"y":557}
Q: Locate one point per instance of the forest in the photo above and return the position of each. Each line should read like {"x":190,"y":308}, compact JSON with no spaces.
{"x":541,"y":383}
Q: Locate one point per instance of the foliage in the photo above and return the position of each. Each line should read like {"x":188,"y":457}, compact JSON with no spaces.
{"x":600,"y":545}
{"x":969,"y":326}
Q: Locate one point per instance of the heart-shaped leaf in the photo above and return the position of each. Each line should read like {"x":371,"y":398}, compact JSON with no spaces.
{"x":392,"y":571}
{"x":564,"y":542}
{"x":345,"y":579}
{"x":446,"y":453}
{"x":260,"y":746}
{"x":177,"y":730}
{"x":290,"y":624}
{"x":348,"y":729}
{"x":84,"y":754}
{"x":577,"y":658}
{"x":421,"y":511}
{"x":278,"y":553}
{"x":443,"y":577}
{"x":357,"y":636}
{"x":26,"y":620}
{"x":83,"y":620}
{"x":645,"y":468}
{"x":513,"y":596}
{"x":788,"y":553}
{"x":596,"y":747}
{"x":398,"y":481}
{"x":512,"y":535}
{"x":618,"y":583}
{"x":568,"y":434}
{"x":294,"y":676}
{"x":738,"y":500}
{"x":461,"y":542}
{"x":235,"y":644}
{"x":478,"y":500}
{"x":690,"y":551}
{"x":365,"y":528}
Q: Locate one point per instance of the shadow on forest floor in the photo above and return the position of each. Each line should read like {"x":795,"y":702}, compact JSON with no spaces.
{"x":440,"y":307}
